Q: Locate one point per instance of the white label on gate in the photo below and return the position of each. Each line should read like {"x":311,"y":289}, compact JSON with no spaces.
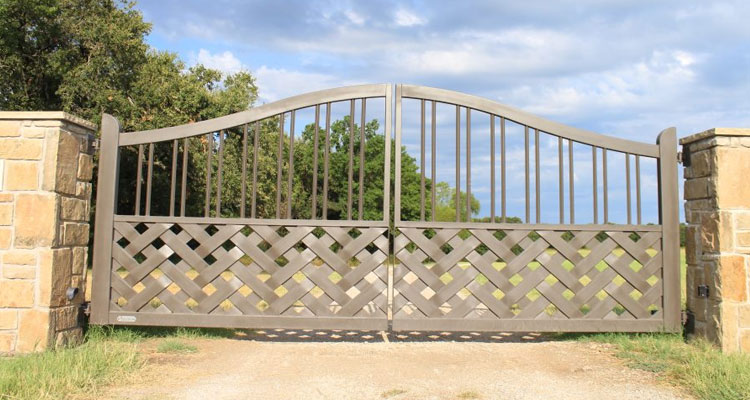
{"x":125,"y":318}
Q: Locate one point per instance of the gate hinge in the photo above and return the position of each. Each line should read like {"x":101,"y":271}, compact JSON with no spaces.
{"x":86,"y":308}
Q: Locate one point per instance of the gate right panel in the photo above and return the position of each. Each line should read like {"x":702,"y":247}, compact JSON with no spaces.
{"x":462,"y":269}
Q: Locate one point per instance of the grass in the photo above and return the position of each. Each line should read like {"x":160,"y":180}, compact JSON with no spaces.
{"x":392,"y":393}
{"x":697,"y":366}
{"x":62,"y":373}
{"x":175,"y":346}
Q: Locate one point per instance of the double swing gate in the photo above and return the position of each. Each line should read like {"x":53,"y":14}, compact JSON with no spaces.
{"x":260,"y":220}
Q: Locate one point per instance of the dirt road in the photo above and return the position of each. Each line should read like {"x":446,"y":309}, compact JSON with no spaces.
{"x":496,"y":367}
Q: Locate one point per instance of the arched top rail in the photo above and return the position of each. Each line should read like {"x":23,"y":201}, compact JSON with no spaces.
{"x":530,"y":120}
{"x":255,"y":114}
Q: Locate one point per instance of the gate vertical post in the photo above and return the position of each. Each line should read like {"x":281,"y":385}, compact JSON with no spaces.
{"x":106,"y":198}
{"x":669,"y":220}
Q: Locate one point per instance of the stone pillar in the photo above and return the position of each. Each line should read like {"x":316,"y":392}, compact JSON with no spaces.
{"x":46,"y":165}
{"x":717,"y":247}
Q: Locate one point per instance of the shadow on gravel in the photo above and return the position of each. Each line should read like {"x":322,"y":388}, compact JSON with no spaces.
{"x":338,"y":335}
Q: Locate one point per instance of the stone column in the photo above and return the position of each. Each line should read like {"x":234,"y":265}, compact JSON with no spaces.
{"x":46,"y":165}
{"x":717,"y":210}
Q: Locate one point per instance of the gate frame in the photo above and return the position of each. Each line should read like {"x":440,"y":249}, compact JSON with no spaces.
{"x":664,"y":151}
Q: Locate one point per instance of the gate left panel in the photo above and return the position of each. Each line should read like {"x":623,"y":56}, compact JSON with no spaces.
{"x":275,"y":217}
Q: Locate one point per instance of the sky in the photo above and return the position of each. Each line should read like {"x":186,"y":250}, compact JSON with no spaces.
{"x":623,"y":68}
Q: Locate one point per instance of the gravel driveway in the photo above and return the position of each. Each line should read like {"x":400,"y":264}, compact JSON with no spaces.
{"x":341,"y":365}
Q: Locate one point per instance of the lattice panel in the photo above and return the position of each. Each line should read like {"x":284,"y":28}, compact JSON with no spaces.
{"x":249,"y":270}
{"x":523,"y":274}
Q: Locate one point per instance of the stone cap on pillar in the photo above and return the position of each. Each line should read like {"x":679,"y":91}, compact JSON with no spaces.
{"x":714,"y":132}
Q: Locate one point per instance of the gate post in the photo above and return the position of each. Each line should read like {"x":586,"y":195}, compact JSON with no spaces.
{"x":46,"y":162}
{"x":106,"y":199}
{"x":669,"y":219}
{"x":717,"y":242}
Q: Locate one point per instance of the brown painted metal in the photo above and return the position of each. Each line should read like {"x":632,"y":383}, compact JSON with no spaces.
{"x":189,"y":271}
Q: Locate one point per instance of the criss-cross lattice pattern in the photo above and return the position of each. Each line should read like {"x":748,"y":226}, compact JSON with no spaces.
{"x":525,"y":274}
{"x":249,"y":270}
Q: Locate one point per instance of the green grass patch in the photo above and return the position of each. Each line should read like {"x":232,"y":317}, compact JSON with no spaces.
{"x":175,"y":346}
{"x":138,"y":333}
{"x":697,"y":366}
{"x":392,"y":393}
{"x":62,"y":373}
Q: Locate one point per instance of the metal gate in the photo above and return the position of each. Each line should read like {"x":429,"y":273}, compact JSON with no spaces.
{"x":306,"y":244}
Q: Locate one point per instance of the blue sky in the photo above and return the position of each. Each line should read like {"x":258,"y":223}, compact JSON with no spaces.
{"x":624,"y":68}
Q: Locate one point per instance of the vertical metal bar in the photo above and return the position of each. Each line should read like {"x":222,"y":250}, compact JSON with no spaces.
{"x":183,"y":186}
{"x":362,"y":144}
{"x":210,"y":147}
{"x":290,"y":172}
{"x":458,"y":164}
{"x":314,"y":207}
{"x":561,"y":192}
{"x":492,"y":168}
{"x":669,"y":220}
{"x":387,"y":166}
{"x":571,"y":183}
{"x":433,"y":159}
{"x":596,"y":188}
{"x":149,"y":178}
{"x":219,"y":174}
{"x":421,"y":162}
{"x":325,"y":160}
{"x":278,"y":166}
{"x":468,"y":164}
{"x":255,"y":170}
{"x":244,"y":171}
{"x":173,"y":180}
{"x":638,"y":188}
{"x":351,"y":161}
{"x":397,"y":155}
{"x":138,"y":179}
{"x":627,"y":187}
{"x":502,"y":167}
{"x":528,"y":182}
{"x":604,"y":183}
{"x":537,"y":208}
{"x":106,"y":201}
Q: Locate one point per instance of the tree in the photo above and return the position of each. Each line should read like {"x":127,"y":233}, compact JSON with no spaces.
{"x":445,"y":203}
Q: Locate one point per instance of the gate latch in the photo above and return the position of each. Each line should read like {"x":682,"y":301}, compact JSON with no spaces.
{"x":702,"y":290}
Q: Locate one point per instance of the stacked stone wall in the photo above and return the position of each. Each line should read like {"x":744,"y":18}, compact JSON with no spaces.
{"x":717,"y":212}
{"x":46,"y":166}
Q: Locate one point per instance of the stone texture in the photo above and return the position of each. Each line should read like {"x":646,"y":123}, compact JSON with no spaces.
{"x":35,"y":220}
{"x":9,"y":128}
{"x":76,"y":234}
{"x":733,"y":275}
{"x":73,"y":209}
{"x":5,"y":238}
{"x":44,"y":181}
{"x":717,"y":210}
{"x":21,"y":175}
{"x":54,"y":276}
{"x":8,"y":319}
{"x":85,"y":167}
{"x":16,"y":293}
{"x":732,"y":189}
{"x":34,"y":330}
{"x":6,"y":342}
{"x":80,"y":257}
{"x":20,"y":257}
{"x":6,"y":214}
{"x":20,"y":149}
{"x":19,"y":272}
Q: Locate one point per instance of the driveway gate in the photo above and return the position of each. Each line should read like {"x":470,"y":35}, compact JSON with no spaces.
{"x":285,"y":238}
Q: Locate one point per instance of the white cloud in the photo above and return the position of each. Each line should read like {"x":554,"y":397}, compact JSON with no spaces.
{"x":279,"y":83}
{"x":225,"y":62}
{"x":407,"y":18}
{"x":355,"y":18}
